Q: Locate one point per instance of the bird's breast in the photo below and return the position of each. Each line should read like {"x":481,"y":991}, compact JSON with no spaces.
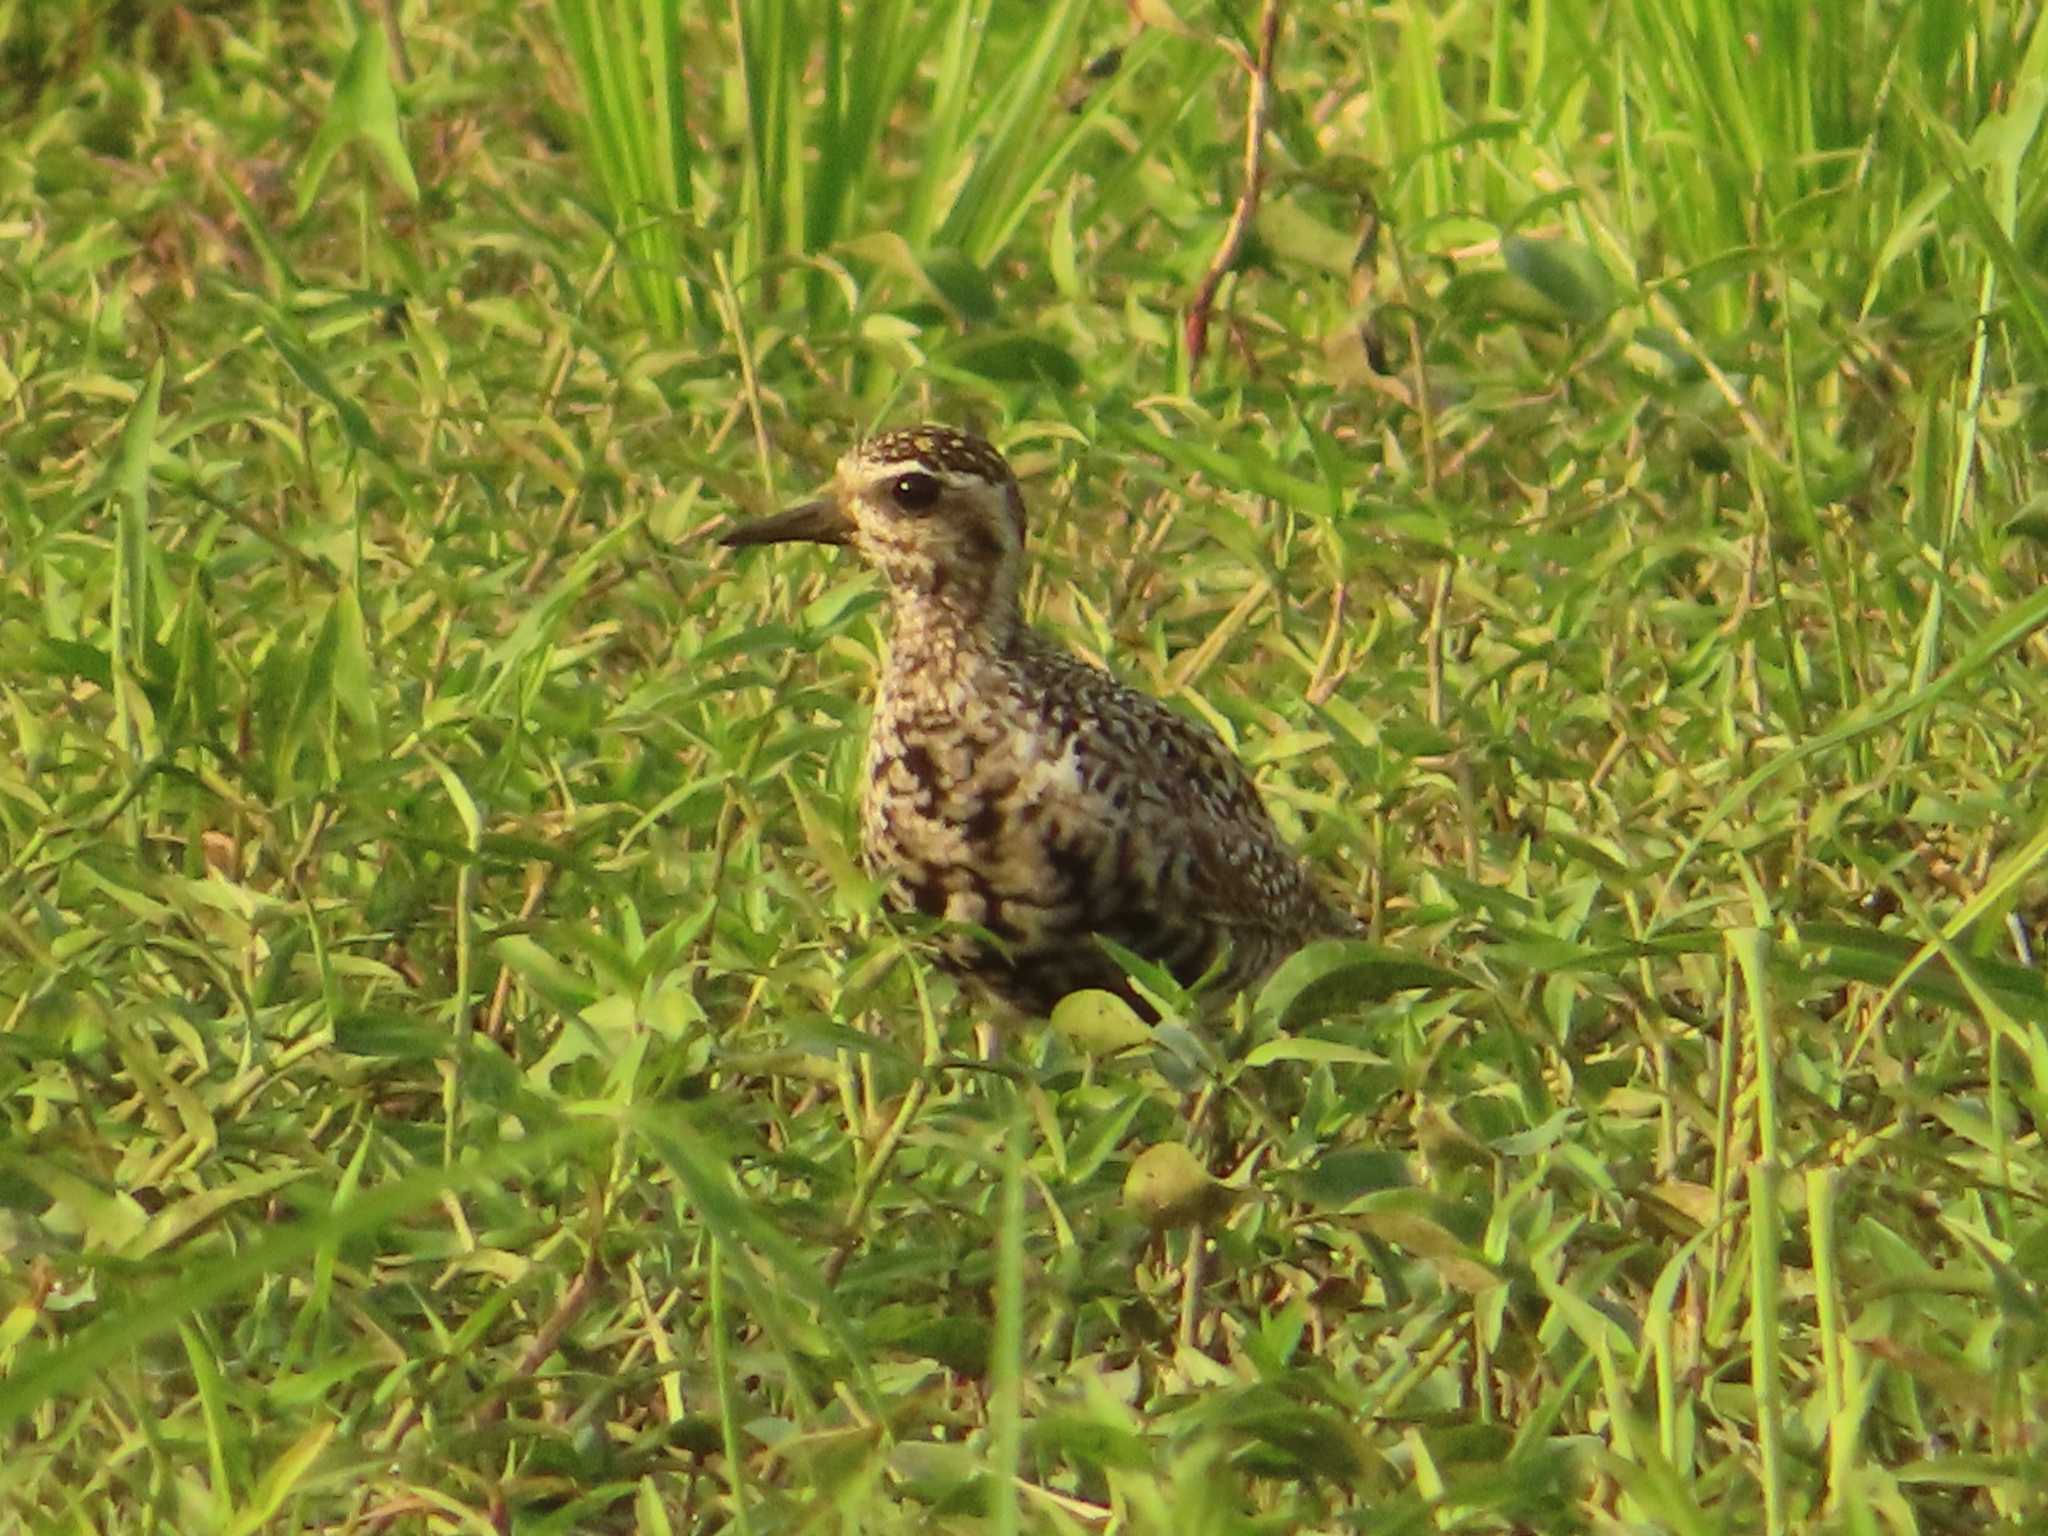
{"x":977,"y":818}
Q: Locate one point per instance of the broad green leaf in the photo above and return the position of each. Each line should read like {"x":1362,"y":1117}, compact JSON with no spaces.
{"x":1334,"y":974}
{"x":364,"y":108}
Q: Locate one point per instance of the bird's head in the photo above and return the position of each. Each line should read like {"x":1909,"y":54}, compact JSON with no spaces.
{"x":936,"y":511}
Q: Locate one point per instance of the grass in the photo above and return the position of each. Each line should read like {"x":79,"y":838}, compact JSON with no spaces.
{"x":443,"y":1020}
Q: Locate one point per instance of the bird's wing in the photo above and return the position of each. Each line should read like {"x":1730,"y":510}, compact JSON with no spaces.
{"x":1188,"y":791}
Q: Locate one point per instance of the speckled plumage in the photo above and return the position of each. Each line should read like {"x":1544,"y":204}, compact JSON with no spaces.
{"x":1016,"y":790}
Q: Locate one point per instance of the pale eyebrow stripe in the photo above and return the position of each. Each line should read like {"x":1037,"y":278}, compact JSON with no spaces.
{"x":939,"y":472}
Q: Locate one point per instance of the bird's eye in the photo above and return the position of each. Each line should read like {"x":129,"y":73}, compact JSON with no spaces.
{"x":915,"y":492}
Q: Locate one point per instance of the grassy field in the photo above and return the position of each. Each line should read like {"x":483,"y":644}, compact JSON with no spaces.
{"x":456,"y":1074}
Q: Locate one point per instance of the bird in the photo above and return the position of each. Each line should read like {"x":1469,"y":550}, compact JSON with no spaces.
{"x":1021,"y":794}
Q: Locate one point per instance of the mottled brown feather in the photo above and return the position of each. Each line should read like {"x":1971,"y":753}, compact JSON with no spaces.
{"x":1025,"y":795}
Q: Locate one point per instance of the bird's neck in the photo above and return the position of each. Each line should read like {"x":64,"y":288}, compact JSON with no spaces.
{"x":950,"y":620}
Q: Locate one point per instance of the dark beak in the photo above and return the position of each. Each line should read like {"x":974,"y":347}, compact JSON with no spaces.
{"x":815,"y":522}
